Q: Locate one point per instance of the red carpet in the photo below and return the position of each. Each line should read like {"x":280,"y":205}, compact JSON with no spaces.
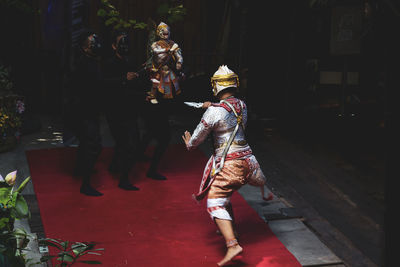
{"x":158,"y":226}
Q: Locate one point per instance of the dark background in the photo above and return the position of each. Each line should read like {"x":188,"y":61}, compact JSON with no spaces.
{"x":286,"y":43}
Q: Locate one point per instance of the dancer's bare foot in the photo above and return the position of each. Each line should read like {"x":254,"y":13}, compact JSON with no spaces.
{"x":232,"y":252}
{"x":269,"y":197}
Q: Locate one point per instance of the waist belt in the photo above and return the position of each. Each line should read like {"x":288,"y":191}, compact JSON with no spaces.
{"x":235,"y":155}
{"x":238,"y":142}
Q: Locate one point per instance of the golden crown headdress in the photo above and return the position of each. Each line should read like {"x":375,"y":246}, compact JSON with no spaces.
{"x":224,"y":78}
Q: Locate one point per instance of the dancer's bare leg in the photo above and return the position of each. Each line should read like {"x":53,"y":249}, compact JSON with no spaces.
{"x":229,"y":209}
{"x":269,"y":197}
{"x":233,"y":247}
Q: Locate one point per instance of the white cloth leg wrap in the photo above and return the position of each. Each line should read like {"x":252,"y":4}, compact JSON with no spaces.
{"x":216,"y":207}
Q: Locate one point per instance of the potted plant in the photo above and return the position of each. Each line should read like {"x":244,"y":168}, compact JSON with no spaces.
{"x":11,"y":109}
{"x":13,"y":206}
{"x":14,"y":241}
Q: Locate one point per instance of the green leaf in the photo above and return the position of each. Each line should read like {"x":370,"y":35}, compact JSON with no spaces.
{"x":65,"y":245}
{"x":110,"y":21}
{"x":23,"y":184}
{"x":57,"y":241}
{"x":21,"y":207}
{"x":46,"y":258}
{"x":20,"y":231}
{"x":90,"y":246}
{"x":5,"y":194}
{"x":66,"y":257}
{"x":94,"y":253}
{"x":77,"y":245}
{"x":54,"y":244}
{"x":110,"y":6}
{"x":101,"y":12}
{"x":79,"y":250}
{"x":113,"y":13}
{"x":91,"y":262}
{"x":116,"y":27}
{"x":4,"y":222}
{"x":140,"y":25}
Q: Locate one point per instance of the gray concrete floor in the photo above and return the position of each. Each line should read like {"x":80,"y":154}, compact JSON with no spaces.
{"x":294,"y":216}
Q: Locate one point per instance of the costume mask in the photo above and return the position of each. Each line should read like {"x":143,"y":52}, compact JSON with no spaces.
{"x":94,"y":45}
{"x":123,"y":45}
{"x":223,"y":78}
{"x":163,"y":31}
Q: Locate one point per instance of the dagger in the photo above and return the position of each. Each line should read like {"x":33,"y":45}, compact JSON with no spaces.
{"x":194,"y":104}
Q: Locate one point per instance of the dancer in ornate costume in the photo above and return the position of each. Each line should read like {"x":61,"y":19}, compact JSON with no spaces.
{"x":232,"y":165}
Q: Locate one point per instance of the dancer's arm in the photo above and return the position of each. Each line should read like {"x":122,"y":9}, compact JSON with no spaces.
{"x":202,"y":130}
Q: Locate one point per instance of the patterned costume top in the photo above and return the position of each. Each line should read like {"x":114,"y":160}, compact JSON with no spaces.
{"x":165,"y":52}
{"x":220,"y":119}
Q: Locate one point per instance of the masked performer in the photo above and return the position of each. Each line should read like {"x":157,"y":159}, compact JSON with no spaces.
{"x":165,"y":71}
{"x":86,"y":89}
{"x":166,"y":65}
{"x":232,"y":165}
{"x":124,"y":100}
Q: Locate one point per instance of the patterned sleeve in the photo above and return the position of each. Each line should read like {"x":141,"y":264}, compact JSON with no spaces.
{"x":178,"y":55}
{"x":203,"y":129}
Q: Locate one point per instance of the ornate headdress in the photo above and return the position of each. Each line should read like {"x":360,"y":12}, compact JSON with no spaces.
{"x":160,"y":29}
{"x":223,"y":78}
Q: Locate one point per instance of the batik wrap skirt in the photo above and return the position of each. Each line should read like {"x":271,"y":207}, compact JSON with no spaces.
{"x":234,"y":174}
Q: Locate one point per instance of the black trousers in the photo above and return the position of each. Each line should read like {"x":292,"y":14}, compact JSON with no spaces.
{"x":90,"y":146}
{"x":157,"y":127}
{"x":125,"y":132}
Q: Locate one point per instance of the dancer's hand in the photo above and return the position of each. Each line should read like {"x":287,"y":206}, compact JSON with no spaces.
{"x":206,"y":104}
{"x":186,"y":138}
{"x":131,"y":75}
{"x":150,"y":96}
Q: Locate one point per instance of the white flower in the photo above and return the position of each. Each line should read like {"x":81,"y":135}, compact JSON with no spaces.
{"x":11,"y":177}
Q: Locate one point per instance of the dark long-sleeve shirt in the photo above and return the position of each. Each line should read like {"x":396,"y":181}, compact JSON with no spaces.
{"x":122,"y":95}
{"x":86,"y":85}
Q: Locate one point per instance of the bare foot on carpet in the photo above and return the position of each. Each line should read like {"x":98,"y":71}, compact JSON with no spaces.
{"x":230,"y":254}
{"x":269,"y":197}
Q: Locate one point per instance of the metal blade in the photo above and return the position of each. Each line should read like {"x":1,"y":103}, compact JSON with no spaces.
{"x":194,"y":104}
